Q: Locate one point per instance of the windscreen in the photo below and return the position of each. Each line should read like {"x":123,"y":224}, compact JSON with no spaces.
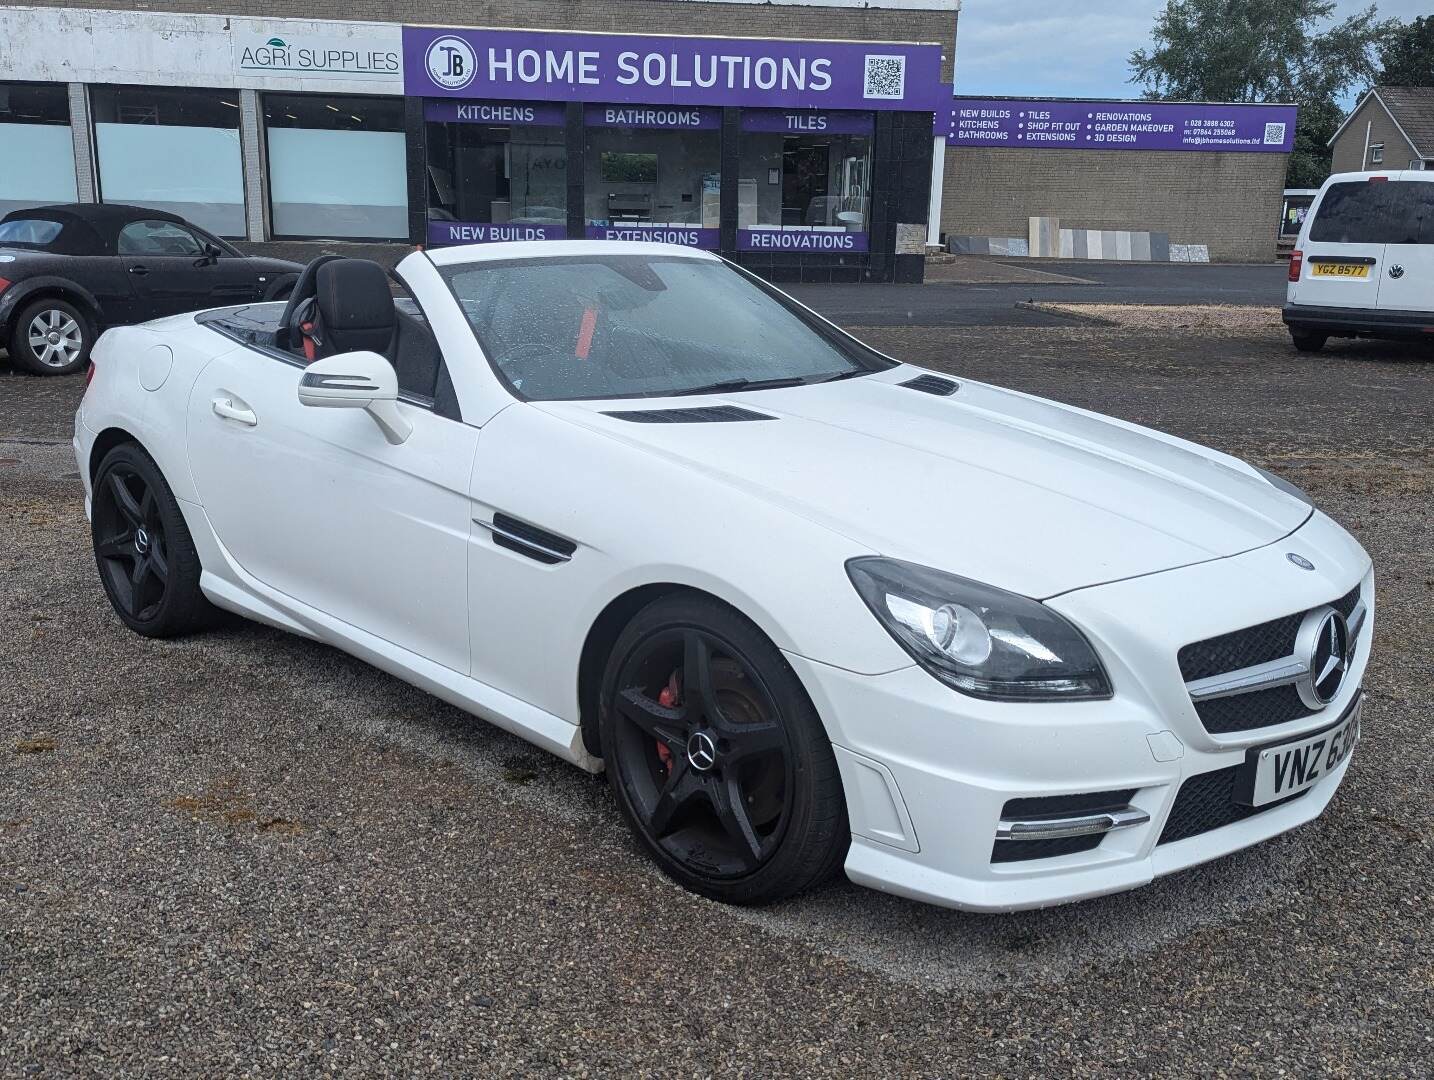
{"x":1380,"y":212}
{"x":644,"y":326}
{"x":29,"y":232}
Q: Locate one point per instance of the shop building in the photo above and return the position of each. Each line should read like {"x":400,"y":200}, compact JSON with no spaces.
{"x":795,"y":138}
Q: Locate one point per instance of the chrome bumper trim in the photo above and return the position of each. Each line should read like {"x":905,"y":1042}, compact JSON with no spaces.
{"x":1076,"y":825}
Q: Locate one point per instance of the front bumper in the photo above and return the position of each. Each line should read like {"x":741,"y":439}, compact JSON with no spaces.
{"x":1358,"y":322}
{"x":928,"y":772}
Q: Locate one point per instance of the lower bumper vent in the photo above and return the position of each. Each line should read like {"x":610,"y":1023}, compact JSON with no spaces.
{"x":1207,"y":802}
{"x":1055,"y":812}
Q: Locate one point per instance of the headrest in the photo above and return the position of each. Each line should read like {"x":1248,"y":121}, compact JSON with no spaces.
{"x":304,"y":289}
{"x":355,"y":306}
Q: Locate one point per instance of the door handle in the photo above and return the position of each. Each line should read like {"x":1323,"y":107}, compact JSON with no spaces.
{"x":226,"y":408}
{"x":140,"y":270}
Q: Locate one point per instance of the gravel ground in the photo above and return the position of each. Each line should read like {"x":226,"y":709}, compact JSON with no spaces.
{"x":1204,"y":318}
{"x":243,"y":853}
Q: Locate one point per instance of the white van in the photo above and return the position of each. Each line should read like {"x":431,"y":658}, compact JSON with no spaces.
{"x":1363,"y":265}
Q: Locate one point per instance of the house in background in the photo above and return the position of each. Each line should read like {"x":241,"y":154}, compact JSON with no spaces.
{"x":1392,"y":127}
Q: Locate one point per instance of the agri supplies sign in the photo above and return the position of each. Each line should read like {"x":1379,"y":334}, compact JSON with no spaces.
{"x":1119,"y":125}
{"x":529,"y":65}
{"x":287,"y":55}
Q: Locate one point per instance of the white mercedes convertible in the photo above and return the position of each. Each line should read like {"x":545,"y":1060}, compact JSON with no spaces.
{"x":808,"y":606}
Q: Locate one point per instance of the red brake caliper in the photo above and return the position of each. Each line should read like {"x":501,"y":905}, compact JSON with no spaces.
{"x":668,"y":699}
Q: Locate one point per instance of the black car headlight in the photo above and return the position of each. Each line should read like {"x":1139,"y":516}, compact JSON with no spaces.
{"x":981,"y":641}
{"x":1285,"y":486}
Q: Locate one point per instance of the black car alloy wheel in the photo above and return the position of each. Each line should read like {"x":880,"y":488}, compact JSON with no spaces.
{"x":130,"y":542}
{"x":704,"y":759}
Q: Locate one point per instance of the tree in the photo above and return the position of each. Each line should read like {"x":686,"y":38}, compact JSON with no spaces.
{"x":1265,"y":50}
{"x":1407,"y":57}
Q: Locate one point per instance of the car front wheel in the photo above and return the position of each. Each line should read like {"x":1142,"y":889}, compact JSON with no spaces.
{"x":51,"y":337}
{"x":718,"y":759}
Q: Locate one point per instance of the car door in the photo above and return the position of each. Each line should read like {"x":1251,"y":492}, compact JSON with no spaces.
{"x":1344,"y":247}
{"x":171,"y":270}
{"x":318,"y":505}
{"x":239,"y":280}
{"x":1407,"y":283}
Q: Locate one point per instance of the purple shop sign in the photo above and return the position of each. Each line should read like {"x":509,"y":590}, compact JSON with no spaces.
{"x":808,"y":122}
{"x":682,"y":117}
{"x":820,"y":240}
{"x":441,"y":233}
{"x":458,"y":111}
{"x":687,"y":236}
{"x":1120,"y":125}
{"x":539,"y":65}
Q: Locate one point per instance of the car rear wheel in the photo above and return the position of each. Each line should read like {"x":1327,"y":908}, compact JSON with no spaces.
{"x":145,"y":556}
{"x":51,"y":337}
{"x":718,"y":759}
{"x":1309,"y":342}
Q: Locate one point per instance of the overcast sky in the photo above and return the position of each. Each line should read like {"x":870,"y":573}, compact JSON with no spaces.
{"x":1039,"y":48}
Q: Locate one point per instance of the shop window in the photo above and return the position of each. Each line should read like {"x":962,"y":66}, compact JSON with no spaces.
{"x":804,"y":181}
{"x":496,"y":171}
{"x":39,"y":152}
{"x":336,"y":166}
{"x":653,"y":173}
{"x":172,"y":149}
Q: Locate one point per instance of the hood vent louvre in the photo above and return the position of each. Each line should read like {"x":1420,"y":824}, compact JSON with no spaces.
{"x":707,"y":414}
{"x":932,"y":384}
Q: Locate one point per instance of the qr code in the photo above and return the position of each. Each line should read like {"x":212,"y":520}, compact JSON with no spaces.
{"x":1274,"y":134}
{"x":885,"y":77}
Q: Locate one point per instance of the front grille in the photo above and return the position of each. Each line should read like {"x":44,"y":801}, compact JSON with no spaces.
{"x":1247,"y":712}
{"x":1238,"y":649}
{"x":1207,"y":802}
{"x":1241,"y":648}
{"x":1055,"y":806}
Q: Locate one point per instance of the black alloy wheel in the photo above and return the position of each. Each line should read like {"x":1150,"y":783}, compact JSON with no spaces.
{"x":717,"y":757}
{"x":143,"y":551}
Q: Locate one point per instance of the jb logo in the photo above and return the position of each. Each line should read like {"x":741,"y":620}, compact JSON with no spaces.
{"x":451,"y":62}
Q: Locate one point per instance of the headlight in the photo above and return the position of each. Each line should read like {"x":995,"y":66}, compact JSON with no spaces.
{"x":1285,"y":486}
{"x":979,"y":640}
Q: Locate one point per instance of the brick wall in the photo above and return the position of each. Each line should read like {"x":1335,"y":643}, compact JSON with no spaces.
{"x":1229,"y":201}
{"x":604,"y":16}
{"x":1370,"y":117}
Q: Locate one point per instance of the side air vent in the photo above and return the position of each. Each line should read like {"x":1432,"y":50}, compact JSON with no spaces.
{"x":708,"y":414}
{"x":537,"y":544}
{"x":932,"y":384}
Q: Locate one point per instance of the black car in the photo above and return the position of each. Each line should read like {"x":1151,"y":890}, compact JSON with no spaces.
{"x":68,"y":272}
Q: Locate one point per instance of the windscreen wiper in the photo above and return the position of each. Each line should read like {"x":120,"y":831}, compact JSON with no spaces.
{"x":727,"y":386}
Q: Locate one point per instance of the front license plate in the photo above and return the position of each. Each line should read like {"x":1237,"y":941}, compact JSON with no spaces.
{"x":1271,"y":773}
{"x":1349,"y":270}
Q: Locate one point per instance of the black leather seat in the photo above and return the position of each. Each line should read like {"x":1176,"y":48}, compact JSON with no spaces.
{"x":348,"y":306}
{"x":355,"y":309}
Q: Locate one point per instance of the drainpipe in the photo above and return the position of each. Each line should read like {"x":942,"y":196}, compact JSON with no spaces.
{"x":1368,"y":133}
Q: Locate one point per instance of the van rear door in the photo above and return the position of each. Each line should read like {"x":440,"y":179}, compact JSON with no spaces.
{"x":1344,"y":246}
{"x":1407,"y":283}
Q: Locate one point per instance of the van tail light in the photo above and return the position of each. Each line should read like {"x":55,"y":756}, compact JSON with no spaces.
{"x":89,"y":375}
{"x":1297,"y":264}
{"x":1379,"y":179}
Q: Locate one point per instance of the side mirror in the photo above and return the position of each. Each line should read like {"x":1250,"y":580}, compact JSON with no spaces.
{"x":357,"y":380}
{"x":211,"y":254}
